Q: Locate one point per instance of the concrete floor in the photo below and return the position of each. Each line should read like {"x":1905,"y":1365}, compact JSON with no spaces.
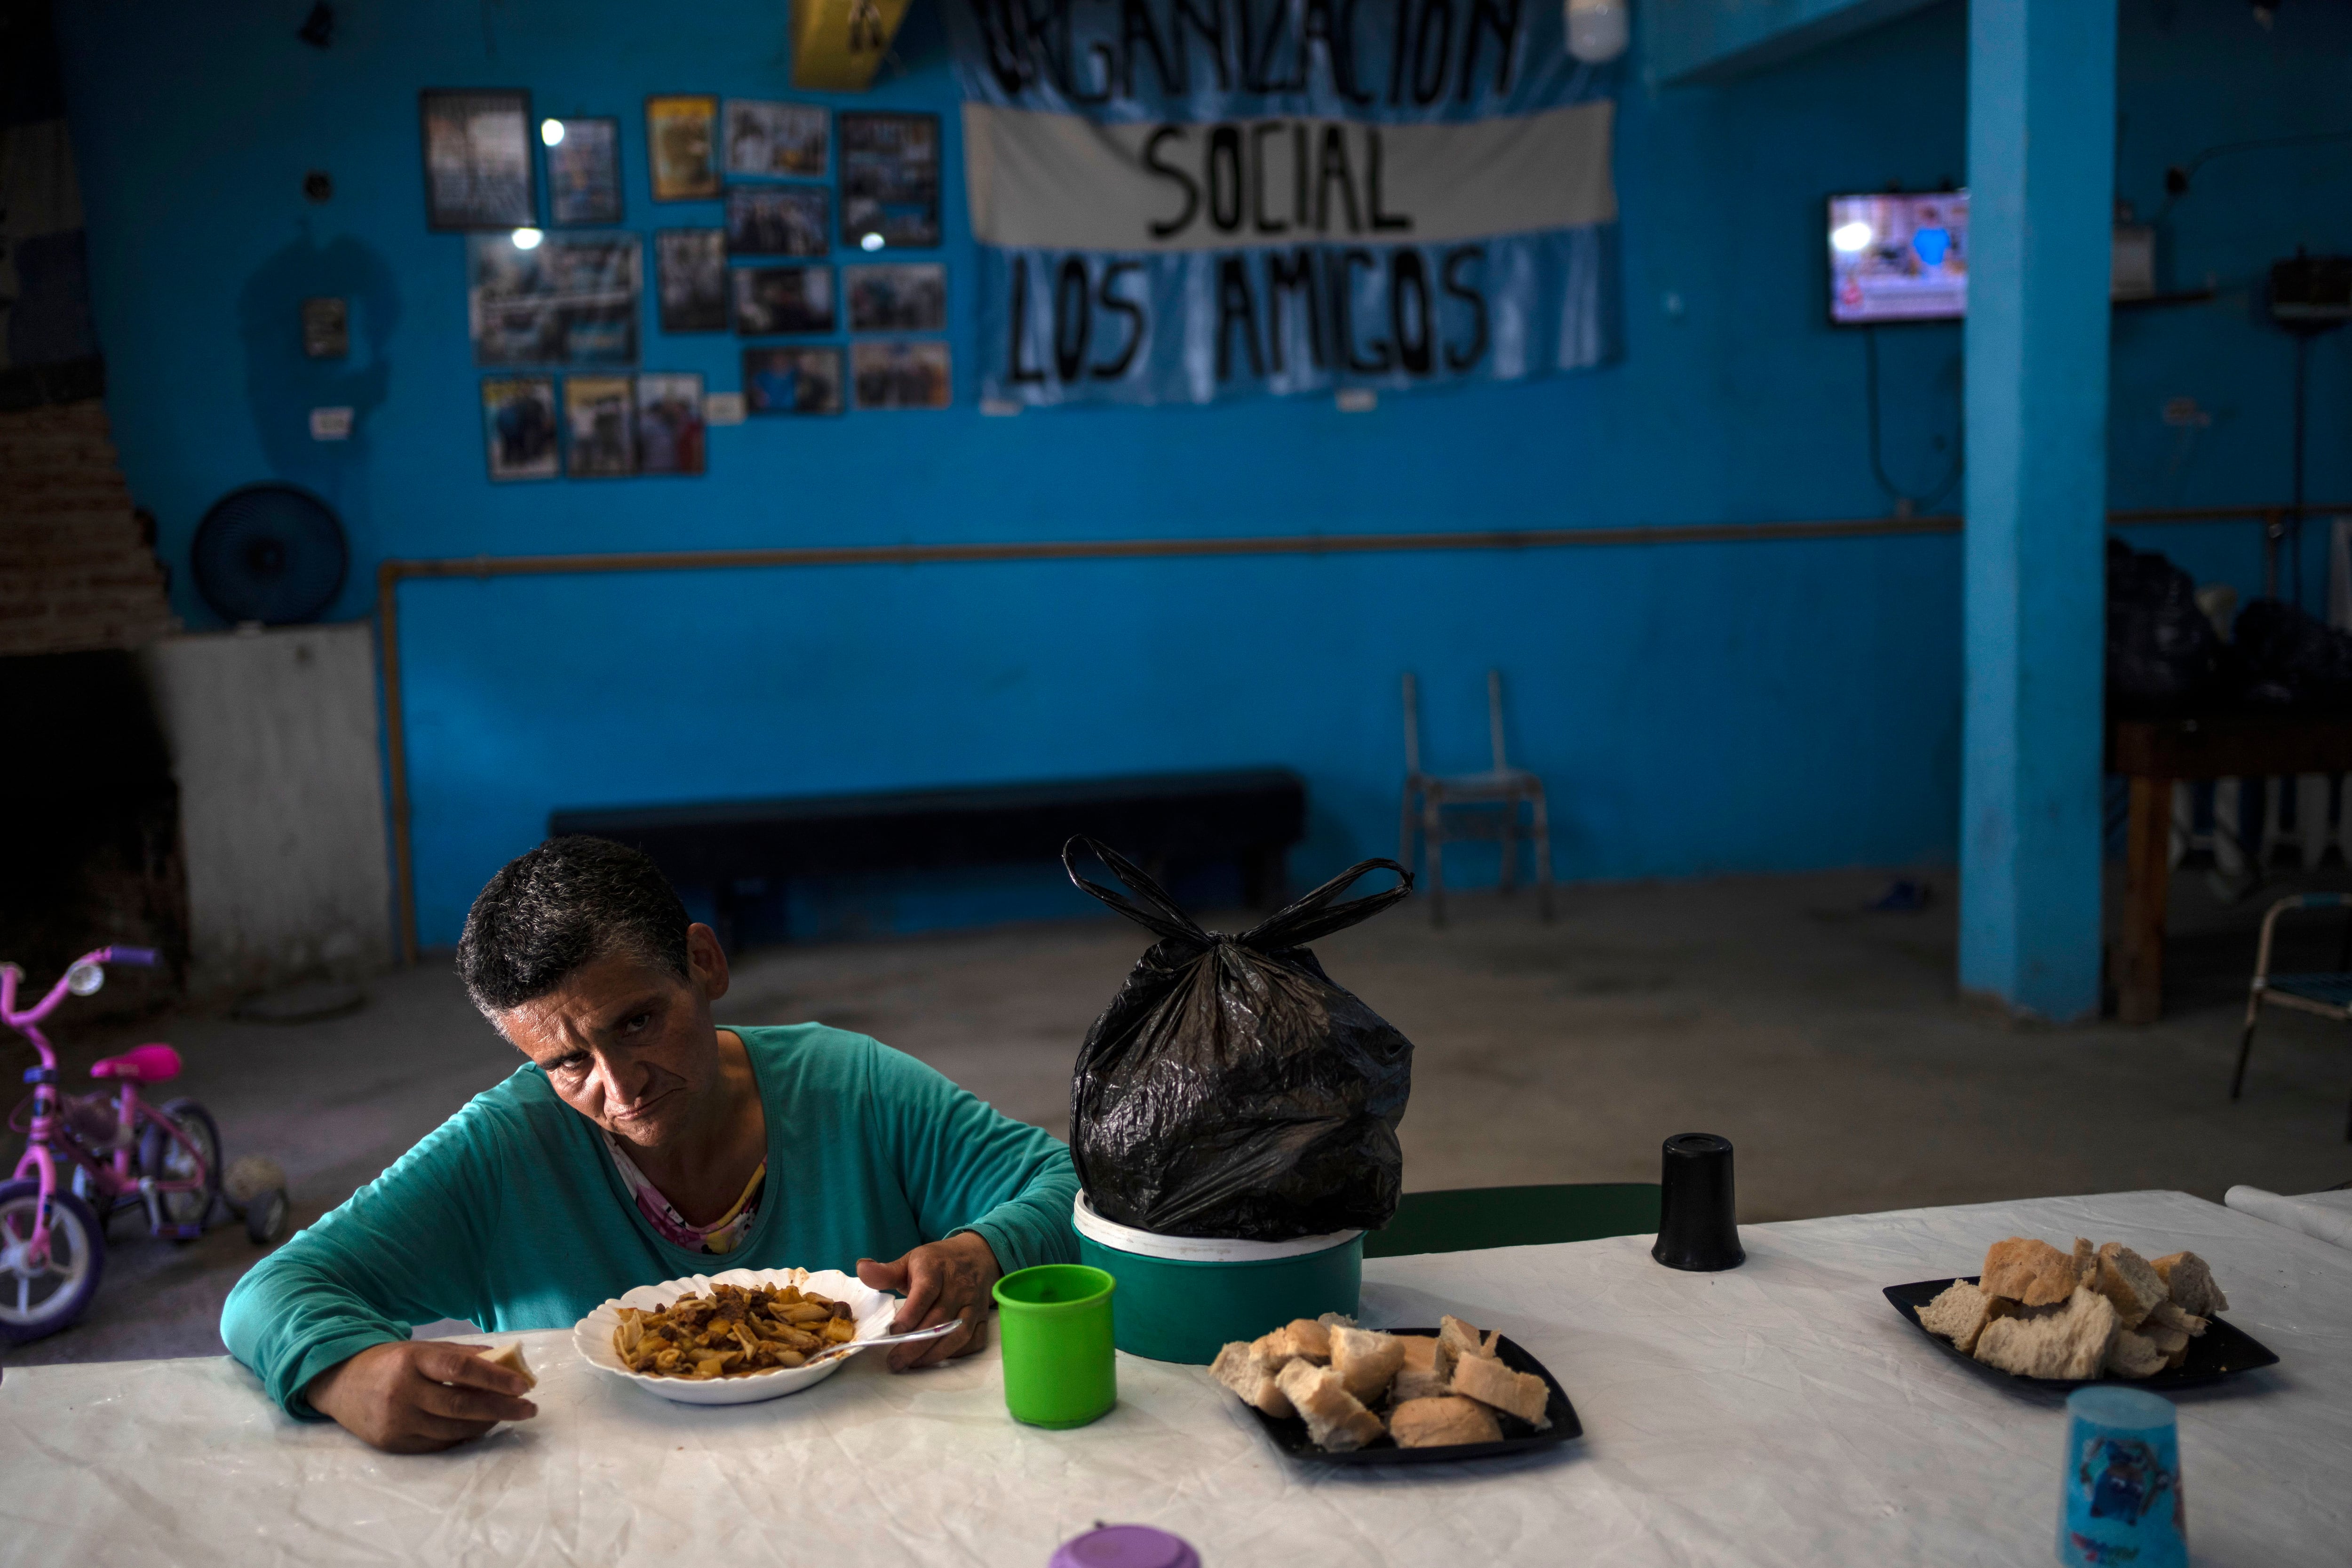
{"x":1827,"y":1043}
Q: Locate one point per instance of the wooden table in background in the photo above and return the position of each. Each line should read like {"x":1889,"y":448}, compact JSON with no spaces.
{"x":2157,"y":754}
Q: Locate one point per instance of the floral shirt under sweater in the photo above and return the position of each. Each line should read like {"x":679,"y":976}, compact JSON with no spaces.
{"x":719,"y":1236}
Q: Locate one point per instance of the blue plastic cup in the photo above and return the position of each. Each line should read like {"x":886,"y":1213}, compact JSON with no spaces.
{"x":2123,"y":1501}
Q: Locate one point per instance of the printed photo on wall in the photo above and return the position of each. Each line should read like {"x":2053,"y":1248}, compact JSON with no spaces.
{"x":897,"y":299}
{"x":774,"y":138}
{"x":769,"y":300}
{"x":477,"y":160}
{"x":519,"y":424}
{"x":792,"y":381}
{"x":682,"y":142}
{"x":889,"y":180}
{"x":669,"y":423}
{"x":570,"y":299}
{"x":901,"y":374}
{"x":691,"y":276}
{"x":584,"y":170}
{"x":787,"y":220}
{"x":597,"y":417}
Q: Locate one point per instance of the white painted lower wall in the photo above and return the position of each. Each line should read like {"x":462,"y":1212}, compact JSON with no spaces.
{"x":274,"y":744}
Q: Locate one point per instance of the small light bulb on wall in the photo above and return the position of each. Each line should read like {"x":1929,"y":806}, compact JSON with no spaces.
{"x":871,"y":242}
{"x":527,"y":238}
{"x":1598,"y":30}
{"x":552,"y":131}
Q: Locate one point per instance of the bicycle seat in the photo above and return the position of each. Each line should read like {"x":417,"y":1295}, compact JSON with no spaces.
{"x":140,"y":1064}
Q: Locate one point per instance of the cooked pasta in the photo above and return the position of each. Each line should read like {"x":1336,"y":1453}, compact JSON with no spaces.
{"x":733,"y":1331}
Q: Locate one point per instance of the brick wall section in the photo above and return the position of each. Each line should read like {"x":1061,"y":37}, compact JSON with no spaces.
{"x":74,"y":572}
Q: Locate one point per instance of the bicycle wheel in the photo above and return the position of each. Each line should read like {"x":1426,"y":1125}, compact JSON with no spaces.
{"x":39,"y":1301}
{"x":165,"y":1159}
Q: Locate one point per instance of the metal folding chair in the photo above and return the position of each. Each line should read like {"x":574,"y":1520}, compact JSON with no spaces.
{"x":1496,"y":796}
{"x":2325,"y":994}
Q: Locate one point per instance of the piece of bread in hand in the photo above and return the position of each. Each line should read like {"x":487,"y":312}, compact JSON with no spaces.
{"x":2133,"y":1355}
{"x":1443,"y":1421}
{"x":1337,"y":1422}
{"x":2063,"y":1341}
{"x":510,"y":1358}
{"x":2126,"y":1279}
{"x":2191,"y":1281}
{"x":1365,"y":1361}
{"x":1960,"y":1314}
{"x":1427,"y":1371}
{"x":1490,"y":1382}
{"x":2033,"y":1272}
{"x":1241,"y":1367}
{"x":1302,"y":1338}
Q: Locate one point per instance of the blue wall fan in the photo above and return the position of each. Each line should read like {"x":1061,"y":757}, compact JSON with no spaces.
{"x":270,"y":554}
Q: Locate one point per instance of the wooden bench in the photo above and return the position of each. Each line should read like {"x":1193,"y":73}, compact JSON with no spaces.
{"x":1249,"y":816}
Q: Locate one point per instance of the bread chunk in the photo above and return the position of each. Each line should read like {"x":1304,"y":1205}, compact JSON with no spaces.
{"x":2069,"y":1341}
{"x":1365,"y":1361}
{"x":1426,"y":1373}
{"x":1442,"y":1422}
{"x":2191,"y":1283}
{"x":1241,"y":1367}
{"x":2126,"y":1279}
{"x":512,"y":1359}
{"x":2171,"y":1329}
{"x":1960,"y":1314}
{"x":1459,"y":1339}
{"x":1302,"y":1338}
{"x":2086,"y":1262}
{"x":1490,"y":1382}
{"x":2034,"y":1272}
{"x":1336,"y":1421}
{"x":2133,"y":1355}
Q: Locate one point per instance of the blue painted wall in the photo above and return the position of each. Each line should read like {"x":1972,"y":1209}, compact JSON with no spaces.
{"x":1695,"y":710}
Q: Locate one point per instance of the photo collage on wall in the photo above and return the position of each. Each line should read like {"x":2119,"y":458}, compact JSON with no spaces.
{"x":557,"y":315}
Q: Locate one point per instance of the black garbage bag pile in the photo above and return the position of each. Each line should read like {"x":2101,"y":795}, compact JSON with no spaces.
{"x":1231,"y":1089}
{"x":2286,"y":658}
{"x":2162,"y":652}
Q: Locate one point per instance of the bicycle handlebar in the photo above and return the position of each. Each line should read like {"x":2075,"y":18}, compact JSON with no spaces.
{"x":138,"y":957}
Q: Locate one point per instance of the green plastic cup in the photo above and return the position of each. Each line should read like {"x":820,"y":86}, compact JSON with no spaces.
{"x":1055,"y":1323}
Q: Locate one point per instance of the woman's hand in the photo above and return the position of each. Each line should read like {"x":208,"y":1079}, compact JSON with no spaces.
{"x":413,"y":1396}
{"x":939,"y":1279}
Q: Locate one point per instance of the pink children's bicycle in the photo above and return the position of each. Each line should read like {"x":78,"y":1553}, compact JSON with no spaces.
{"x":123,"y":1154}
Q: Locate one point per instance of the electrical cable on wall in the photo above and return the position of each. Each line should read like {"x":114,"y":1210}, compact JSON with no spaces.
{"x":1905,"y":504}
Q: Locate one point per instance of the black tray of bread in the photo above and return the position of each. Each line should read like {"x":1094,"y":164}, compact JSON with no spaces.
{"x":1289,"y":1434}
{"x":2219,"y":1352}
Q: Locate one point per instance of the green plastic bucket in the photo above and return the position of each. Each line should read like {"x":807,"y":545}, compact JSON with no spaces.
{"x":1181,"y":1298}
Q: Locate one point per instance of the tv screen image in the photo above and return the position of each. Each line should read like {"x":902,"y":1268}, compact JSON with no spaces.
{"x":1899,"y":258}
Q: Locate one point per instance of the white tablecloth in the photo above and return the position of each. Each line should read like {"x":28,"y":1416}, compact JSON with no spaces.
{"x":2327,"y":1216}
{"x":1779,"y":1414}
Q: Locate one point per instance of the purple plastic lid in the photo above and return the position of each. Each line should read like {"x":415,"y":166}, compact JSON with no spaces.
{"x":1125,"y":1546}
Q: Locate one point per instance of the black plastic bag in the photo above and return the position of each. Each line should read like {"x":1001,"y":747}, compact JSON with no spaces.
{"x":1231,"y":1088}
{"x":2289,"y":659}
{"x":2162,"y":652}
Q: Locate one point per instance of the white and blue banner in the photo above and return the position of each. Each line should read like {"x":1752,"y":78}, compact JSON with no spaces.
{"x":1184,"y":201}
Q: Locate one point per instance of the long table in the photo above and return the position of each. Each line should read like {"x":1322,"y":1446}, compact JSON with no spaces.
{"x":1782,"y":1413}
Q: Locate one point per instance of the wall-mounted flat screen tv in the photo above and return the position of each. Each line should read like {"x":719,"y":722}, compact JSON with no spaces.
{"x":1895,"y":258}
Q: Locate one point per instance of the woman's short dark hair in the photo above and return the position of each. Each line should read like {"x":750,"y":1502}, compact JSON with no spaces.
{"x":548,"y":913}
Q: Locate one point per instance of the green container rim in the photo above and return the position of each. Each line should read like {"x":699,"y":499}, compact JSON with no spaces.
{"x":1038,"y":1274}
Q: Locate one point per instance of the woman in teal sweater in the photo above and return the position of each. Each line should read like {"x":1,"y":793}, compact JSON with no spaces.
{"x":641,"y":1143}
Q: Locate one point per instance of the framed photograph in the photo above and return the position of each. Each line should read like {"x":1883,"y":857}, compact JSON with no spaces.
{"x":598,"y":419}
{"x":519,"y":426}
{"x":682,"y":143}
{"x":901,"y":298}
{"x":779,"y":220}
{"x":897,"y":374}
{"x":584,"y":171}
{"x":326,"y":327}
{"x":889,"y":180}
{"x":570,"y":299}
{"x":791,"y":380}
{"x":769,"y":300}
{"x":669,"y":423}
{"x":478,"y":159}
{"x":775,"y":139}
{"x":691,"y":279}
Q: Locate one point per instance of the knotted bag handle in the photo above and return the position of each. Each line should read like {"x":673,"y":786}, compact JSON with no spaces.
{"x":1314,"y":916}
{"x":1165,"y":918}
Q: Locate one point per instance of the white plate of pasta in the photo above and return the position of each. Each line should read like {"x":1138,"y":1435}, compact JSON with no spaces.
{"x":737,"y":1337}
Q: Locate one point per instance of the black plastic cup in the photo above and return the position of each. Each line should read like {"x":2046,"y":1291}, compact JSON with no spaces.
{"x":1698,"y":1226}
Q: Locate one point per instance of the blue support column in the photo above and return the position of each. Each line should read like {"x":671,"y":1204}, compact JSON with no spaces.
{"x":2041,"y":106}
